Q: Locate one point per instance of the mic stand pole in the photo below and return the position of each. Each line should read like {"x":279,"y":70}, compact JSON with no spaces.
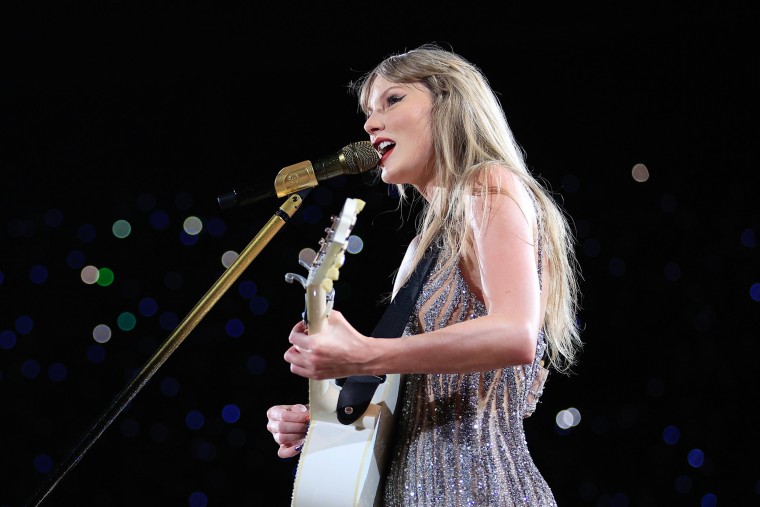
{"x":225,"y":281}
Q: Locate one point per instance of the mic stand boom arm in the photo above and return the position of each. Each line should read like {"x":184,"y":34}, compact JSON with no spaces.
{"x":225,"y":281}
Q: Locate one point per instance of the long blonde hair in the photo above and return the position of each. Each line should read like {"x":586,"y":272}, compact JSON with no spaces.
{"x":471,"y":136}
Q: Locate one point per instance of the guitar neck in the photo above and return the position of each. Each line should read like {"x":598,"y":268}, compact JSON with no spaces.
{"x":340,"y":464}
{"x":317,"y":310}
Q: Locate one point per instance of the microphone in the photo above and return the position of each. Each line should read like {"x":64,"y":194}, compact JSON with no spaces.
{"x":354,"y":158}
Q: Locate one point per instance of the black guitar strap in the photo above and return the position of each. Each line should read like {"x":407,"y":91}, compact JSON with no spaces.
{"x":357,"y":391}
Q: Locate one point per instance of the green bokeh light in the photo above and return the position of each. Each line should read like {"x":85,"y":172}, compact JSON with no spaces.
{"x":105,"y":277}
{"x":126,"y":321}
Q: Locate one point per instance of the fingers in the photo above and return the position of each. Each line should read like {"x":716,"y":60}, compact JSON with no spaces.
{"x":288,"y":451}
{"x":300,"y":327}
{"x":293,"y":356}
{"x":298,"y":336}
{"x":335,"y":316}
{"x":288,"y":425}
{"x":300,"y":343}
{"x":297,"y":413}
{"x":298,"y":407}
{"x":286,"y":432}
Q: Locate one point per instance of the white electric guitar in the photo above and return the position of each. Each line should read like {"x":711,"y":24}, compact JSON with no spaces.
{"x":340,"y":464}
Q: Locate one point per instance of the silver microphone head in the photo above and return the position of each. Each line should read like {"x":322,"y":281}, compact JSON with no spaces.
{"x":360,"y":157}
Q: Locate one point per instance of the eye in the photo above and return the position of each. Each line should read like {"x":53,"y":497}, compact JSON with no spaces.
{"x":392,"y":99}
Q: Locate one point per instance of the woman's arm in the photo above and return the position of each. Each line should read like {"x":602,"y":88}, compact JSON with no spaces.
{"x":502,"y":268}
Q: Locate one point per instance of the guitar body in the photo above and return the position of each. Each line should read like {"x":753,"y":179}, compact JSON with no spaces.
{"x":340,"y":465}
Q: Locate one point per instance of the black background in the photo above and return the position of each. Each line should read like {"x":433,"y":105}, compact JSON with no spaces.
{"x":116,"y":111}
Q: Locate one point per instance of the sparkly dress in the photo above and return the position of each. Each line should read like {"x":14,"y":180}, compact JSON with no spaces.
{"x":460,"y":438}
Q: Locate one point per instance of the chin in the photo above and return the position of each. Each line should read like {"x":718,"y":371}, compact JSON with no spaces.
{"x":385,"y":176}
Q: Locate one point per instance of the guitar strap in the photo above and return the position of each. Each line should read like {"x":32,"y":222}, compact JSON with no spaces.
{"x":357,"y":391}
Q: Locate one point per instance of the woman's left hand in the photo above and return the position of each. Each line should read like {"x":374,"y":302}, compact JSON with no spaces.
{"x":337,"y":351}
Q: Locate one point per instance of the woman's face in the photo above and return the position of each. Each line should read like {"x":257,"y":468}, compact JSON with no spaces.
{"x":399,"y":127}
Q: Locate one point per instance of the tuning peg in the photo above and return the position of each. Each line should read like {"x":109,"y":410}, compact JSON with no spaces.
{"x":290,"y":277}
{"x":333,"y":273}
{"x":340,"y":260}
{"x":306,"y":257}
{"x":327,"y":284}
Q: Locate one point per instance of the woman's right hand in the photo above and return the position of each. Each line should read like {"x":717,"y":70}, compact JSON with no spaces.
{"x":288,"y":425}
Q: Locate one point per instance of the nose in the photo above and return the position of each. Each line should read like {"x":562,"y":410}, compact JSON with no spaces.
{"x":373,"y":124}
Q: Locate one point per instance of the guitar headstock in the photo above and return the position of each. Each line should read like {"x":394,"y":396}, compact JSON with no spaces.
{"x":324,"y":265}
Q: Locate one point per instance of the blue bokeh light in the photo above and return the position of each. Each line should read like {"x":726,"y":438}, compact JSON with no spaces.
{"x":234,"y":328}
{"x":754,"y":292}
{"x":748,"y":238}
{"x":256,"y":365}
{"x":197,"y":499}
{"x":30,"y":368}
{"x":194,"y":420}
{"x":7,"y":339}
{"x":216,"y":227}
{"x":259,"y":305}
{"x":86,"y":233}
{"x":38,"y":274}
{"x":96,"y":353}
{"x":53,"y":217}
{"x":148,"y":307}
{"x":57,"y":372}
{"x":188,"y":239}
{"x":75,"y":259}
{"x":671,"y":435}
{"x":169,"y":387}
{"x":24,"y":324}
{"x":168,"y":321}
{"x":231,"y":413}
{"x":159,"y":220}
{"x":696,"y":458}
{"x":709,"y":500}
{"x":247,"y":289}
{"x":43,"y":463}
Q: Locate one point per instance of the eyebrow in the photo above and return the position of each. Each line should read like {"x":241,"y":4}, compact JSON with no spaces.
{"x":385,"y":93}
{"x":393,"y":87}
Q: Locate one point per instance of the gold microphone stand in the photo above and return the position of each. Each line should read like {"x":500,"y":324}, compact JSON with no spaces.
{"x":225,"y":281}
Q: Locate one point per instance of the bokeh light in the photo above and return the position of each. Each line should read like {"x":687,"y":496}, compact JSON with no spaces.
{"x":228,"y":258}
{"x":568,"y":418}
{"x":192,"y":226}
{"x":121,"y":229}
{"x":640,"y":173}
{"x":105,"y":277}
{"x":101,"y":333}
{"x":195,"y":420}
{"x":89,"y":274}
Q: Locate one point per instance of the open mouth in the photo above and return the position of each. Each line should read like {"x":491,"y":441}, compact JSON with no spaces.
{"x":384,"y":148}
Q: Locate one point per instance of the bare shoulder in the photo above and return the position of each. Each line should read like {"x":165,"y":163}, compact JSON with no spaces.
{"x":499,"y":187}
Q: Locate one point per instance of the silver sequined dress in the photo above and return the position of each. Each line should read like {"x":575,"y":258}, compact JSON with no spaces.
{"x":460,"y":438}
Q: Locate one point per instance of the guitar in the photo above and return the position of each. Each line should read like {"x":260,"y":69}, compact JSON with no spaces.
{"x":340,"y":464}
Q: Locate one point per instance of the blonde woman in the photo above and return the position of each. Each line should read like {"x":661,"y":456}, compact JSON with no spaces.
{"x":495,"y":314}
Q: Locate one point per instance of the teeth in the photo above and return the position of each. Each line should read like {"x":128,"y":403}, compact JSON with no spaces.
{"x":382,"y":147}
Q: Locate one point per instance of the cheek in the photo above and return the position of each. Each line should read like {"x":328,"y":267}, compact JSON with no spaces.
{"x":421,"y":156}
{"x":423,"y":151}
